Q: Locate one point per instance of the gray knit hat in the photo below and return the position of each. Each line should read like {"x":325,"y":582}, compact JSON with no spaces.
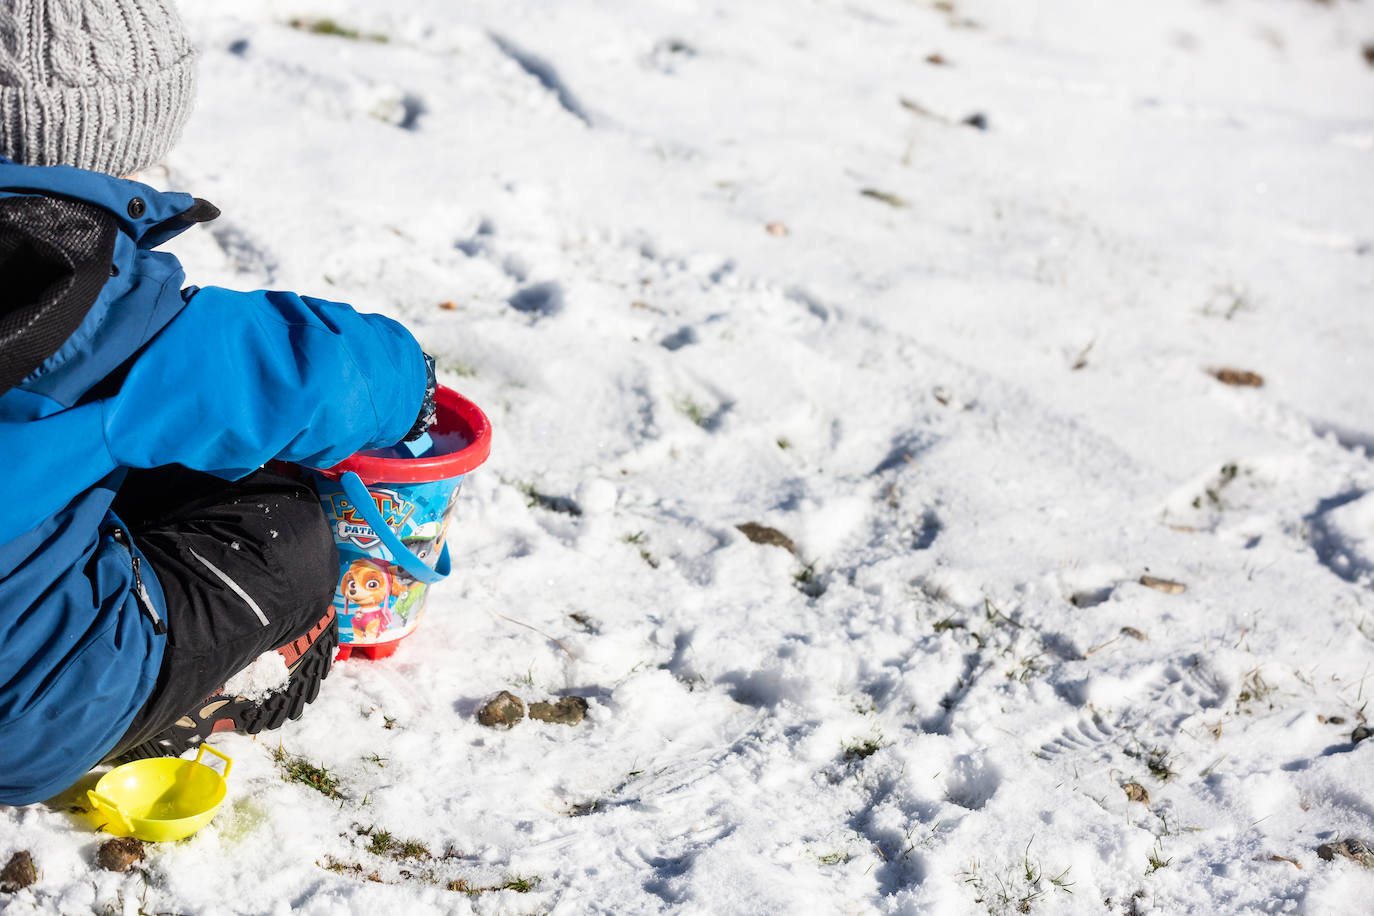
{"x":99,"y":84}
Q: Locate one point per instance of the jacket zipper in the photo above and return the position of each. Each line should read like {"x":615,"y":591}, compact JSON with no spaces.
{"x":140,"y":591}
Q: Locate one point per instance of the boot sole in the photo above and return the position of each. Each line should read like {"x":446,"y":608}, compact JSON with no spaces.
{"x":309,"y":660}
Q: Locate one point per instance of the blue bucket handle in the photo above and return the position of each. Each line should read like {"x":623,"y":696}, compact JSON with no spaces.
{"x":357,"y":492}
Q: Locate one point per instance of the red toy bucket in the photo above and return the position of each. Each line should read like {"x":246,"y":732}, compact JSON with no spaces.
{"x":390,"y":510}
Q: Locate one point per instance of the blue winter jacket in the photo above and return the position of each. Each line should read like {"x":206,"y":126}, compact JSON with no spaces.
{"x":153,"y":374}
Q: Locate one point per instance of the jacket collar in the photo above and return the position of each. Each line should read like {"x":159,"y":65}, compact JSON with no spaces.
{"x":149,"y":216}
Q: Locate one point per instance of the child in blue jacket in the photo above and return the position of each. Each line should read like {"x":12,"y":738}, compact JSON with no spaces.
{"x":146,"y":555}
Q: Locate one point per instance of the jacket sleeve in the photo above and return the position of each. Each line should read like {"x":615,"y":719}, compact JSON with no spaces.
{"x":238,"y":379}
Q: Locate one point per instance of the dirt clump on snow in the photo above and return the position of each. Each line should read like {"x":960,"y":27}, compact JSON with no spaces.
{"x":770,"y":537}
{"x":1350,"y":848}
{"x":504,"y":710}
{"x":18,"y":873}
{"x":1167,"y":586}
{"x":567,"y":711}
{"x":1136,"y":792}
{"x":119,"y":854}
{"x":1243,"y":378}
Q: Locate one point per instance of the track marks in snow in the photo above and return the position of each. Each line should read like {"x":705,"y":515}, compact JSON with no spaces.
{"x":906,"y":447}
{"x":545,"y":73}
{"x":1342,"y":535}
{"x":972,"y":781}
{"x":1086,"y":740}
{"x":539,"y":300}
{"x":244,"y":252}
{"x":1187,"y":687}
{"x":682,"y":337}
{"x":1360,"y":442}
{"x":811,"y":303}
{"x":1139,"y":726}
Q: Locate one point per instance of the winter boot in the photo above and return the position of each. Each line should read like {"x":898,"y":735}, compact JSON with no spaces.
{"x":308,"y":660}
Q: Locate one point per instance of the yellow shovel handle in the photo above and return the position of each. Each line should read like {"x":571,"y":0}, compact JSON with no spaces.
{"x":99,"y":801}
{"x":228,"y":763}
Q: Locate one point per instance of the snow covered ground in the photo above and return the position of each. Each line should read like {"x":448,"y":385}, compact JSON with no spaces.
{"x":940,"y":292}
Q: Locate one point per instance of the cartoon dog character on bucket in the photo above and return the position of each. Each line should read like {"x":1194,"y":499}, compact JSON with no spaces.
{"x":369,"y":585}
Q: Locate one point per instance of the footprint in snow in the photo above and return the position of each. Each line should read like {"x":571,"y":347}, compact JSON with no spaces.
{"x":541,"y":300}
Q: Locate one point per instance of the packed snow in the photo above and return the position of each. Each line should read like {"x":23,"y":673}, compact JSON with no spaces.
{"x":933,"y":437}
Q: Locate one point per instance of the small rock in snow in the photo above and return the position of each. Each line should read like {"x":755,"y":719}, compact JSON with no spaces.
{"x":18,"y":873}
{"x":567,"y":711}
{"x":119,"y":854}
{"x":1136,"y":792}
{"x":503,"y":711}
{"x":1360,"y":733}
{"x":1350,"y":848}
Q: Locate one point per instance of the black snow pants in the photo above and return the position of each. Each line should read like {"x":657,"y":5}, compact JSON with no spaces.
{"x":246,"y":566}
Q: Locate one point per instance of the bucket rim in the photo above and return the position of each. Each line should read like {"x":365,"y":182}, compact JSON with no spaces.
{"x":374,"y":469}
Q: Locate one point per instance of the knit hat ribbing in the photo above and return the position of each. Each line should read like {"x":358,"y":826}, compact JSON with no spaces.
{"x":104,"y":85}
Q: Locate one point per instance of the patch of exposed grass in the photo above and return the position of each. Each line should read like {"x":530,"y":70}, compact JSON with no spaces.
{"x":639,"y":539}
{"x":381,"y":842}
{"x":887,"y":197}
{"x":1026,"y":668}
{"x":692,"y":411}
{"x":518,"y":883}
{"x":411,"y":849}
{"x":1253,"y":689}
{"x":1156,"y":760}
{"x":806,"y":582}
{"x":861,"y":750}
{"x":349,"y":869}
{"x":384,"y":843}
{"x":298,"y":769}
{"x":521,"y":884}
{"x":330,"y":27}
{"x":561,"y":504}
{"x":1223,"y":479}
{"x":1017,"y":890}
